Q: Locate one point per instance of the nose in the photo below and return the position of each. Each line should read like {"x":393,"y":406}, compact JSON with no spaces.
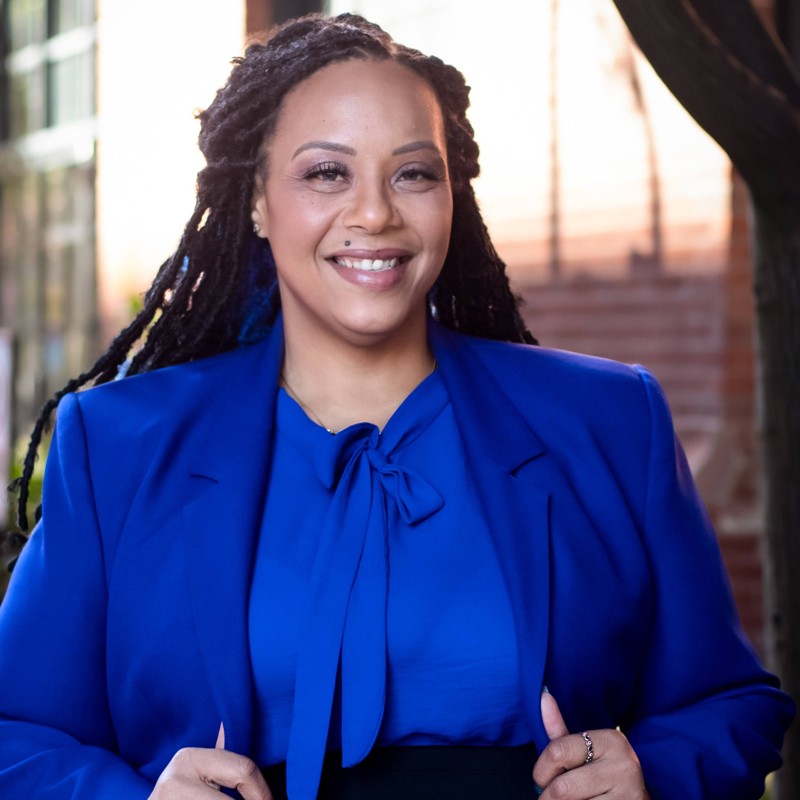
{"x":372,"y":208}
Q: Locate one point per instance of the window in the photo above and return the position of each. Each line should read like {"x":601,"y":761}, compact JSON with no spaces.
{"x":47,"y":229}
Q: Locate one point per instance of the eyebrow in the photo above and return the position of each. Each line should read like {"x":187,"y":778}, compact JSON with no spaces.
{"x":333,"y":147}
{"x":411,"y":147}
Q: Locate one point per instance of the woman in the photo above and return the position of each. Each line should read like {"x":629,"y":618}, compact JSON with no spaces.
{"x":358,"y":537}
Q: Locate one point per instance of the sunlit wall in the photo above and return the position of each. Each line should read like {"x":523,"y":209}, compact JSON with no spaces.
{"x":157,"y":62}
{"x":604,"y":174}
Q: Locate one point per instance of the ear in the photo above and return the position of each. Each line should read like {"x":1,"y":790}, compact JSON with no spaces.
{"x":258,"y":211}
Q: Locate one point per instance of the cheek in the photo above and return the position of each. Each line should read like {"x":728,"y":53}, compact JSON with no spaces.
{"x":299,"y":218}
{"x":433,"y":217}
{"x":439,"y":224}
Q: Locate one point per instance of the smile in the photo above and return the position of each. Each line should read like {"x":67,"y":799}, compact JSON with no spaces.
{"x":368,"y":264}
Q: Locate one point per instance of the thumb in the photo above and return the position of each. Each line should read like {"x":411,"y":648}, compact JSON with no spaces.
{"x":551,"y":716}
{"x":220,"y":745}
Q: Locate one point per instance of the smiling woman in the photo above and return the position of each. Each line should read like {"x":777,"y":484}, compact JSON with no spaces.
{"x":338,"y":527}
{"x":372,"y":171}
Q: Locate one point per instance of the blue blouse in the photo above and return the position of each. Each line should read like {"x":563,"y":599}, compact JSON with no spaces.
{"x":378,"y":614}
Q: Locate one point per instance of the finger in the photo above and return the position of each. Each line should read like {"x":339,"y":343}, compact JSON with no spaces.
{"x":586,"y":784}
{"x":551,"y":762}
{"x":551,"y":716}
{"x":617,"y":774}
{"x":560,"y":756}
{"x":182,"y":788}
{"x":220,"y":745}
{"x":257,"y":791}
{"x":562,"y":769}
{"x":231,"y":770}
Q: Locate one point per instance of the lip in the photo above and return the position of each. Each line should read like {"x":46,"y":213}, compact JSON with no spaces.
{"x":375,"y":281}
{"x":373,"y":255}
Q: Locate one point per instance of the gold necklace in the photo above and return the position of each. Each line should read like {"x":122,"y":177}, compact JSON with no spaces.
{"x":307,"y":408}
{"x":310,"y":411}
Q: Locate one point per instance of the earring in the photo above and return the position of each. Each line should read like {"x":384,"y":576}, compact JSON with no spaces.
{"x":256,"y":228}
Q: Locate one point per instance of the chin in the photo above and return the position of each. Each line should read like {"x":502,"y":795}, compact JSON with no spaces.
{"x":371,"y":331}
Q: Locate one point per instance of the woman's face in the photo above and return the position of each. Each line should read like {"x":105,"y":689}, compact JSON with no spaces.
{"x":356,"y":202}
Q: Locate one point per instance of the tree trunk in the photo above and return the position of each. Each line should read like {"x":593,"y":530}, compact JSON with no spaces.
{"x":729,"y":73}
{"x":777,"y":289}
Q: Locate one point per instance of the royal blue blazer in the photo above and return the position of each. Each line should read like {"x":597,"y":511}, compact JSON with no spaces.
{"x":124,"y":635}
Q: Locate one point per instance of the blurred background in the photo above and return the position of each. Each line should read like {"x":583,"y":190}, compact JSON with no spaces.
{"x":623,"y":225}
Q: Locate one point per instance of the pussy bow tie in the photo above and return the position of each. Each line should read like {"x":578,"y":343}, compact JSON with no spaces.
{"x":348,"y":600}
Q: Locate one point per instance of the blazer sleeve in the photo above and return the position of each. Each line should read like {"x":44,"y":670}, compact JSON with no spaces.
{"x":57,"y":738}
{"x":709,"y":721}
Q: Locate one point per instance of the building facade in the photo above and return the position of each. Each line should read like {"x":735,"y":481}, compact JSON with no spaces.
{"x":48,"y":269}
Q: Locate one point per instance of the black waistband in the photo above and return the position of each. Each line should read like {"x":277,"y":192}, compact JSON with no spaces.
{"x":424,"y":773}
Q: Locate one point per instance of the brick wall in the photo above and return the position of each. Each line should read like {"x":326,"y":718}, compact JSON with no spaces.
{"x":671,"y":324}
{"x":694,"y":332}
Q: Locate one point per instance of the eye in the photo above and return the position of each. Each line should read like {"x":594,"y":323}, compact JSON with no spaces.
{"x":327,"y":172}
{"x":417,"y":173}
{"x":420,"y":177}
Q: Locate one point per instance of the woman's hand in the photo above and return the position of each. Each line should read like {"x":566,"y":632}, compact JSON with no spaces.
{"x":195,"y":773}
{"x":562,"y":771}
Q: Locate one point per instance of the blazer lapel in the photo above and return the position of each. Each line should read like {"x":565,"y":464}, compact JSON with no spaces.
{"x":228,"y":475}
{"x":503,"y":449}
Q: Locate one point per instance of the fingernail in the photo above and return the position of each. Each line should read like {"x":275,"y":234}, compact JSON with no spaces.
{"x":539,"y":790}
{"x":546,"y":691}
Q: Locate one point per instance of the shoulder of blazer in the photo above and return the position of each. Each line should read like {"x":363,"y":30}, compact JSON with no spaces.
{"x":166,"y":395}
{"x":532,"y":363}
{"x":558,"y":391}
{"x":152,"y":432}
{"x":178,"y":417}
{"x":534,"y":372}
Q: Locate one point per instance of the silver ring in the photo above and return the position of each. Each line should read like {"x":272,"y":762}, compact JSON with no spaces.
{"x":589,"y":747}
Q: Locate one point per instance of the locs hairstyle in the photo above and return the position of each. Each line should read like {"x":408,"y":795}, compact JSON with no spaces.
{"x":218,"y":289}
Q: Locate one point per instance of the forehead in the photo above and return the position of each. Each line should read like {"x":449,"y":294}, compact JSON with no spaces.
{"x":360,"y":98}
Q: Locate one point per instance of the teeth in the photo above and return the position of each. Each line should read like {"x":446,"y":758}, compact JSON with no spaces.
{"x":368,"y":264}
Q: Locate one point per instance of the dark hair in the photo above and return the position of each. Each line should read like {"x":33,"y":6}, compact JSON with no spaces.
{"x":219,"y":287}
